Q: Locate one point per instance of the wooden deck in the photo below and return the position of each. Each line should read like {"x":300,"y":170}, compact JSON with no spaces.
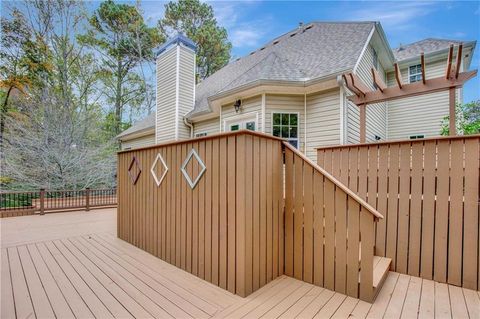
{"x":76,"y":275}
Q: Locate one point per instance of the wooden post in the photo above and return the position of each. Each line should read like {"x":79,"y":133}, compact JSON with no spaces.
{"x":363,"y":122}
{"x":42,"y":201}
{"x":87,"y":199}
{"x":452,"y":126}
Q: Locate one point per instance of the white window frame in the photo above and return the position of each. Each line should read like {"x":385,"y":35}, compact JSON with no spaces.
{"x":240,"y":118}
{"x":409,"y":74}
{"x":298,"y":124}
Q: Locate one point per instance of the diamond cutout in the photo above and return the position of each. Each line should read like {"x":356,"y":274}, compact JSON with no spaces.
{"x":193,"y":153}
{"x":134,"y":170}
{"x":163,"y":169}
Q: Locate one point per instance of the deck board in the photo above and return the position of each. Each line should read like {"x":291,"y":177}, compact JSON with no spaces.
{"x":99,"y":275}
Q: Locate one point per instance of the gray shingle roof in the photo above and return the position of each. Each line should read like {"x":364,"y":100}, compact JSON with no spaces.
{"x":146,"y":123}
{"x":312,"y":51}
{"x":426,"y":46}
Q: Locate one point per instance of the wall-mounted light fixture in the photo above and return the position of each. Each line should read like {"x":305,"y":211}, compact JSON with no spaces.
{"x":237,"y":105}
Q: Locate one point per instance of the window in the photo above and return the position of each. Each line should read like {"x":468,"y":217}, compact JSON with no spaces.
{"x":375,"y":59}
{"x":201,"y":134}
{"x":285,"y":125}
{"x":414,"y":137}
{"x":415,"y":73}
{"x":234,"y":127}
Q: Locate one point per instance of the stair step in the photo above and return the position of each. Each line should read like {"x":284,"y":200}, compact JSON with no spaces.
{"x":381,"y":267}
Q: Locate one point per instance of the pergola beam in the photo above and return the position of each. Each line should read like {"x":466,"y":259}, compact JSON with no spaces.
{"x":377,"y":80}
{"x":398,"y":76}
{"x":413,"y":89}
{"x":453,"y":79}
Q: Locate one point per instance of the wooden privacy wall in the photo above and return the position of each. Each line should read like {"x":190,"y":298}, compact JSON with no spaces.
{"x":325,"y":225}
{"x":228,"y":230}
{"x":428,"y":191}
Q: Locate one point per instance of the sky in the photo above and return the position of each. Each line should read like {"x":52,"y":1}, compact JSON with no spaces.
{"x":252,"y":23}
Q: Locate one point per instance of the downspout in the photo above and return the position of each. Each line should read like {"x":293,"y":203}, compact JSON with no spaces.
{"x":189,"y":124}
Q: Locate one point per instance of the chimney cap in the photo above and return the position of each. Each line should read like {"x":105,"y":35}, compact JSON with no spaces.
{"x":176,"y":40}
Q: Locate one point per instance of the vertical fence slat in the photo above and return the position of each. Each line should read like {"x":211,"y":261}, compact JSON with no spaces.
{"x":308,"y":221}
{"x":340,"y":240}
{"x":415,"y":214}
{"x":298,"y":219}
{"x":441,"y":214}
{"x":428,"y":217}
{"x":289,"y":213}
{"x":392,"y":210}
{"x":329,"y":261}
{"x":455,"y":227}
{"x":470,"y":249}
{"x":353,"y":220}
{"x":318,"y":231}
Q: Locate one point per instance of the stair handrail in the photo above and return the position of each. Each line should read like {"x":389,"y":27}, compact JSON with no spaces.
{"x":335,"y":181}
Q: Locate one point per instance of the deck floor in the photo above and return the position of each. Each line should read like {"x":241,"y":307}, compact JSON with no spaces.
{"x":97,"y":275}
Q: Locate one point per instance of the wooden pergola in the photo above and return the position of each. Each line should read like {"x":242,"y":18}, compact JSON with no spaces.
{"x":453,"y":79}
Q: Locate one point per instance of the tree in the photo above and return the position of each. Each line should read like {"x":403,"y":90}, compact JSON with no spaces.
{"x":54,"y":130}
{"x":57,"y":148}
{"x":467,"y":119}
{"x":120,"y":36}
{"x":197,"y":21}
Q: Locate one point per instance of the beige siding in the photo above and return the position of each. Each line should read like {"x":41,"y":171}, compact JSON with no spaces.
{"x":376,"y":113}
{"x":186,"y":91}
{"x":146,"y":140}
{"x":286,"y":103}
{"x":323,"y":121}
{"x":418,"y":115}
{"x":210,"y":126}
{"x":250,"y":107}
{"x":166,"y":87}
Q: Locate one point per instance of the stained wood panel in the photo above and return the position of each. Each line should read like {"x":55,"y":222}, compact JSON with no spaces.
{"x":325,"y":224}
{"x":428,"y":192}
{"x":227,"y":230}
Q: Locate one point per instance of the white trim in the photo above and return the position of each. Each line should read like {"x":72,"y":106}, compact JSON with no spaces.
{"x":342,"y":115}
{"x":408,"y":72}
{"x":177,"y":92}
{"x":152,"y":169}
{"x":240,"y":118}
{"x":363,"y":50}
{"x":299,"y":140}
{"x":263,"y":112}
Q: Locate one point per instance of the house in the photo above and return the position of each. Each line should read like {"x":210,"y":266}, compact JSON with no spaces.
{"x":292,"y":87}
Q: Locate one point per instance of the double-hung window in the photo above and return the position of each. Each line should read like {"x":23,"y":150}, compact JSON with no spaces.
{"x":415,"y":73}
{"x":285,"y":125}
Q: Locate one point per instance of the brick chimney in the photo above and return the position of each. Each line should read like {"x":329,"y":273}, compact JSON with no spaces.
{"x":175,"y":66}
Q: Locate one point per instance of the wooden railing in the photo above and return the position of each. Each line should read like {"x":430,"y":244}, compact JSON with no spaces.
{"x":325,"y":226}
{"x":44,"y":201}
{"x":428,"y":191}
{"x":228,"y":228}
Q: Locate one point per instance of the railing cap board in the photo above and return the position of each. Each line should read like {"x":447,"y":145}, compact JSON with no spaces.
{"x":203,"y":138}
{"x":57,"y":190}
{"x":339,"y":184}
{"x":401,"y":141}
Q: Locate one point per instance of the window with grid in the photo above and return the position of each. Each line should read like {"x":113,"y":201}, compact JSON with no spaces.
{"x":285,"y":125}
{"x":415,"y":73}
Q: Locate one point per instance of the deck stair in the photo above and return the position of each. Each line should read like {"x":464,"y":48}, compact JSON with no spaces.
{"x":381,"y":267}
